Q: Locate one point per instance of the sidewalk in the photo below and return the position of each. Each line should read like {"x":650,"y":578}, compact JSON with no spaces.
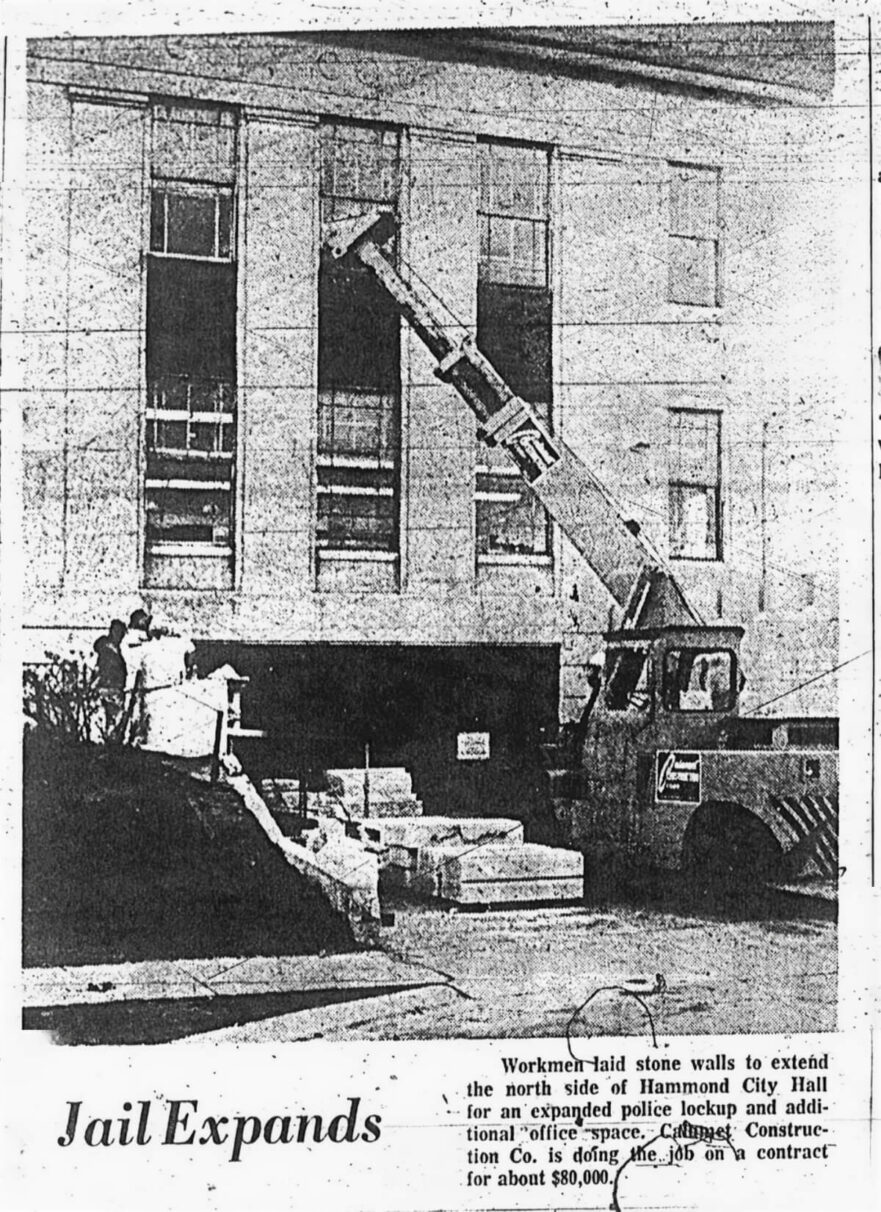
{"x":228,"y":976}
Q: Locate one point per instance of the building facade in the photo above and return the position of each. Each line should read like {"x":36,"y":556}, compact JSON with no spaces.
{"x":223,"y":425}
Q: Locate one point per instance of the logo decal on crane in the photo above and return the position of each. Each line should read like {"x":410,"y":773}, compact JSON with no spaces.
{"x":678,"y":777}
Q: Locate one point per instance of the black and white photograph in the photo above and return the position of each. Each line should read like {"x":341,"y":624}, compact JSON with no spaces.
{"x":443,"y":460}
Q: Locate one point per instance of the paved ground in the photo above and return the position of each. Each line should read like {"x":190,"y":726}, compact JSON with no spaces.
{"x":525,"y":973}
{"x":511,"y":973}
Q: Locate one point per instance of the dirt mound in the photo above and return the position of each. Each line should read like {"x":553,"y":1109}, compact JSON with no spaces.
{"x":129,"y":857}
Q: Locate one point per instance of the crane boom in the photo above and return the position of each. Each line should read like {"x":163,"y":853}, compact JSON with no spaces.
{"x":632,"y":573}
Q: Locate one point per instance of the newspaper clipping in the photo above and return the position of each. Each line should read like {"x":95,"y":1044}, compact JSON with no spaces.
{"x":437,"y":477}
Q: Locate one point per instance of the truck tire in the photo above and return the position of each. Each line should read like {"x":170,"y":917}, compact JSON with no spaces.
{"x":725,"y":847}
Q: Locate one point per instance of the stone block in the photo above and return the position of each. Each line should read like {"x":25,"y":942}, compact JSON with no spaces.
{"x":497,"y":874}
{"x":410,"y":849}
{"x":385,"y":782}
{"x":449,"y":830}
{"x":407,"y":806}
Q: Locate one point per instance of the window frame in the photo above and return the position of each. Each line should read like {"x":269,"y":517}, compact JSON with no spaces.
{"x":679,"y":482}
{"x":640,"y":695}
{"x":386,"y":460}
{"x":669,"y":691}
{"x":194,"y":189}
{"x":220,"y":393}
{"x":537,"y":216}
{"x":677,"y":170}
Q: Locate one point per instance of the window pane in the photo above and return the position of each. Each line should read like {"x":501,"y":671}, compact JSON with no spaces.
{"x":190,"y":447}
{"x":358,"y":333}
{"x":694,"y":202}
{"x":188,"y":515}
{"x":167,"y":435}
{"x":170,"y":146}
{"x":626,"y":679}
{"x":693,"y":522}
{"x":191,"y":320}
{"x":694,"y":447}
{"x":224,"y":225}
{"x":205,"y":437}
{"x":357,"y":423}
{"x":514,"y":332}
{"x":512,"y":527}
{"x":485,"y":224}
{"x":341,"y":477}
{"x":513,"y":180}
{"x":359,"y":162}
{"x":191,"y":225}
{"x":698,"y":681}
{"x":157,"y":221}
{"x":188,"y":465}
{"x":693,"y":277}
{"x":357,"y":522}
{"x":513,"y":251}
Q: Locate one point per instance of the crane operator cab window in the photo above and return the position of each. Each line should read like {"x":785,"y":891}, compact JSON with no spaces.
{"x":699,"y":680}
{"x":626,"y":679}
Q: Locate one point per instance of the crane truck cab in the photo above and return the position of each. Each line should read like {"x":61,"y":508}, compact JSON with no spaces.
{"x":685,"y":678}
{"x":670,"y":774}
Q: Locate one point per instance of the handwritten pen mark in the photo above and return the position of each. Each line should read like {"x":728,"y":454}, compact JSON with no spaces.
{"x":659,"y":986}
{"x":692,"y":1137}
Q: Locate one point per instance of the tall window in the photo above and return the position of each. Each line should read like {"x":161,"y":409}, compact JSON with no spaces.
{"x":359,"y":355}
{"x":695,"y":485}
{"x":191,"y":332}
{"x":514,"y":331}
{"x":694,"y":235}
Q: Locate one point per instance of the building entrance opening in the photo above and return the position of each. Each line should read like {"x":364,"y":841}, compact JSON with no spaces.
{"x":320,"y":705}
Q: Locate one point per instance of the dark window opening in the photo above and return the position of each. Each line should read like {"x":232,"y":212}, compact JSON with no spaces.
{"x":514,"y":332}
{"x":626,"y":678}
{"x":358,"y":333}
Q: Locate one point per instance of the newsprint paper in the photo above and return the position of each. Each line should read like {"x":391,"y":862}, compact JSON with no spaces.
{"x":438,"y":470}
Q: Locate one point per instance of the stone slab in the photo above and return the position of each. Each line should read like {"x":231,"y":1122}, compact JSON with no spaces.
{"x":386,"y":809}
{"x":385,"y":783}
{"x":498,"y":874}
{"x":438,"y":830}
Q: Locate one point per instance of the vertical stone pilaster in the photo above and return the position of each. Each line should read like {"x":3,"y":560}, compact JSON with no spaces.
{"x":104,"y":339}
{"x":439,"y":433}
{"x":277,"y":370}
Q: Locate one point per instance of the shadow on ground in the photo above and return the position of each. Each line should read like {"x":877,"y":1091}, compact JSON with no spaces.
{"x":128,"y":857}
{"x":162,"y":1020}
{"x":738,"y":900}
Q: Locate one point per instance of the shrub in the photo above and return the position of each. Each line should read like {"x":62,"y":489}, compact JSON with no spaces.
{"x":62,"y":699}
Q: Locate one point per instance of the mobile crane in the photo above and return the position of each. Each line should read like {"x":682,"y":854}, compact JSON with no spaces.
{"x":661,"y":769}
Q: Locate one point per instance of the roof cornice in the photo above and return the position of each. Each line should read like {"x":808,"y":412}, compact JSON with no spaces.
{"x":612,"y":64}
